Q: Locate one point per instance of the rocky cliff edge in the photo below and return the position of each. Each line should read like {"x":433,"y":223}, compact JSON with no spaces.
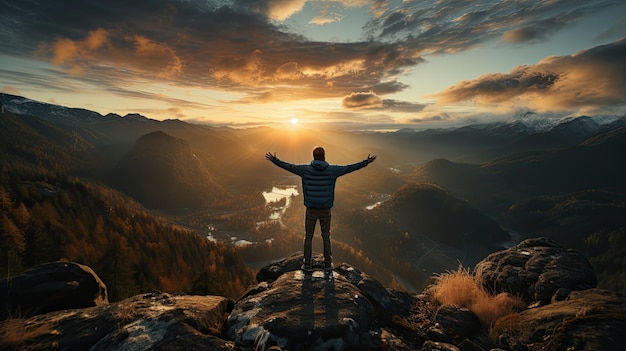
{"x":344,"y":309}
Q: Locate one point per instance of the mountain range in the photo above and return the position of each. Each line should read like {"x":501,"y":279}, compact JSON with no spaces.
{"x":454,"y":194}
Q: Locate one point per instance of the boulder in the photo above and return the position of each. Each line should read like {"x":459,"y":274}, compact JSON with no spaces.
{"x":292,"y":309}
{"x":154,"y":321}
{"x":535,"y":269}
{"x":592,"y":319}
{"x":50,"y":287}
{"x":303,"y":311}
{"x":291,"y":263}
{"x":457,"y":321}
{"x":371,"y":287}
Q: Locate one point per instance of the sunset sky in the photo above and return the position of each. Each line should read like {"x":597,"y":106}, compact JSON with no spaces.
{"x":352,"y":64}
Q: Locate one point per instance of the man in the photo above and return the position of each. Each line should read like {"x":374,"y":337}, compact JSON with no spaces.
{"x":318,"y":187}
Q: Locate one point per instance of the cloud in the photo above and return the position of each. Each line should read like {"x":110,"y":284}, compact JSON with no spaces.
{"x":449,"y":26}
{"x":326,"y":16}
{"x":430,"y":117}
{"x":497,"y":87}
{"x":589,"y":79}
{"x":135,"y":52}
{"x":370,"y":100}
{"x":537,"y":30}
{"x":40,"y":81}
{"x":218,"y":45}
{"x":277,"y":10}
{"x":10,"y":90}
{"x":241,"y":46}
{"x":401,"y":106}
{"x":362,"y":100}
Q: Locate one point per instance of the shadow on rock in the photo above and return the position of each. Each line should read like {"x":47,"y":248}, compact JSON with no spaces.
{"x":297,"y":310}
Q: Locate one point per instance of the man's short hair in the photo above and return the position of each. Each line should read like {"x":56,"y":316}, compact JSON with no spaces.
{"x":319,"y":153}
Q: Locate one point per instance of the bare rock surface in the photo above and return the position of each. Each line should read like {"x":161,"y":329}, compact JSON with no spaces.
{"x":292,"y":309}
{"x":345,"y":309}
{"x":154,"y":321}
{"x":591,"y":319}
{"x":51,"y":287}
{"x":536,"y":269}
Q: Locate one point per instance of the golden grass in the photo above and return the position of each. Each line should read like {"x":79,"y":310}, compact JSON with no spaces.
{"x":463,"y":289}
{"x":14,"y":332}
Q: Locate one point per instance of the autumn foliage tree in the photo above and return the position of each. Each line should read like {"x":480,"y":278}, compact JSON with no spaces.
{"x":131,"y":249}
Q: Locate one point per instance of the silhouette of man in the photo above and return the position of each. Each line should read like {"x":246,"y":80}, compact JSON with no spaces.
{"x":318,"y":187}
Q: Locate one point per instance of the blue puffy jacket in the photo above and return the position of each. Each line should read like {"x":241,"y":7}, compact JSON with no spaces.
{"x":318,"y":180}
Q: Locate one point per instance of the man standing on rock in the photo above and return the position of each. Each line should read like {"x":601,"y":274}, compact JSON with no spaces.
{"x":318,"y":186}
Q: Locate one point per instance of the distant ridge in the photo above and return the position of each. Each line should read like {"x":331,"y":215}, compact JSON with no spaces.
{"x":161,"y":171}
{"x":427,"y":208}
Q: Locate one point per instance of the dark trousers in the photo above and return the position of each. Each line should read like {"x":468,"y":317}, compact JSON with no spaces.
{"x":312,"y":216}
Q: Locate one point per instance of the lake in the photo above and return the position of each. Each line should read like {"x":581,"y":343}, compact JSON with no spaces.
{"x":277,"y":194}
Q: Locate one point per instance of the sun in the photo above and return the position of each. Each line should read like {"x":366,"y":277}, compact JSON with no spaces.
{"x":294,"y":121}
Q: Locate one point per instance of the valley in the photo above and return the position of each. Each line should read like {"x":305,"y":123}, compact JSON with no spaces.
{"x":433,"y":201}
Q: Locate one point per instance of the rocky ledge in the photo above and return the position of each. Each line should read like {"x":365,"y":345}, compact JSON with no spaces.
{"x":343,"y":309}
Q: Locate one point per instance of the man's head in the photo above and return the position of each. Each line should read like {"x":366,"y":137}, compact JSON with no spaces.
{"x":319,"y":153}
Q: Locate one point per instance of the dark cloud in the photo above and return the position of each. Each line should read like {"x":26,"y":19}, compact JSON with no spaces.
{"x":237,"y":45}
{"x":588,"y":79}
{"x":39,"y":81}
{"x":541,"y":29}
{"x":391,"y":87}
{"x":370,"y":100}
{"x":434,"y":118}
{"x":219,"y":44}
{"x":362,"y":100}
{"x":457,"y":25}
{"x":401,"y":106}
{"x":499,"y":87}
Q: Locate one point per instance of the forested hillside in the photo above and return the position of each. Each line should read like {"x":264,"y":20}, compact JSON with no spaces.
{"x":48,"y":214}
{"x":47,"y":219}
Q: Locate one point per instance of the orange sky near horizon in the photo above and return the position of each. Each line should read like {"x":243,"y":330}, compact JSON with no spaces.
{"x":354,"y":65}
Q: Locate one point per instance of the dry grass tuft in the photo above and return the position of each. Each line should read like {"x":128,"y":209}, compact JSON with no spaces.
{"x":463,"y":289}
{"x":490,"y":308}
{"x":14,"y":332}
{"x":125,"y":314}
{"x":456,"y":287}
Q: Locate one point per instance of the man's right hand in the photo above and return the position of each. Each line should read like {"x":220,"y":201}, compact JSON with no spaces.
{"x":370,"y":158}
{"x":270,"y":157}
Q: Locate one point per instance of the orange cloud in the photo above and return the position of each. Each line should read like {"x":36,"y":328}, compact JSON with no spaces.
{"x":589,"y":79}
{"x":278,"y":10}
{"x":67,"y":50}
{"x":101,"y":47}
{"x":359,"y":100}
{"x":159,"y":56}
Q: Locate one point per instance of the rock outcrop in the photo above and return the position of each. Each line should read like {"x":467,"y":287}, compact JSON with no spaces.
{"x":293,"y":309}
{"x":50,"y":287}
{"x":536,"y":269}
{"x":345,"y":309}
{"x":590,"y":319}
{"x":154,"y":321}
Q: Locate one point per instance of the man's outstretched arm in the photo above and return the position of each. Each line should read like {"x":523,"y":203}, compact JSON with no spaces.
{"x":295,"y":169}
{"x":341,"y":170}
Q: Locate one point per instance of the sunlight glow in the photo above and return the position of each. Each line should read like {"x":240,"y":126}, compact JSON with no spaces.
{"x":294,"y":121}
